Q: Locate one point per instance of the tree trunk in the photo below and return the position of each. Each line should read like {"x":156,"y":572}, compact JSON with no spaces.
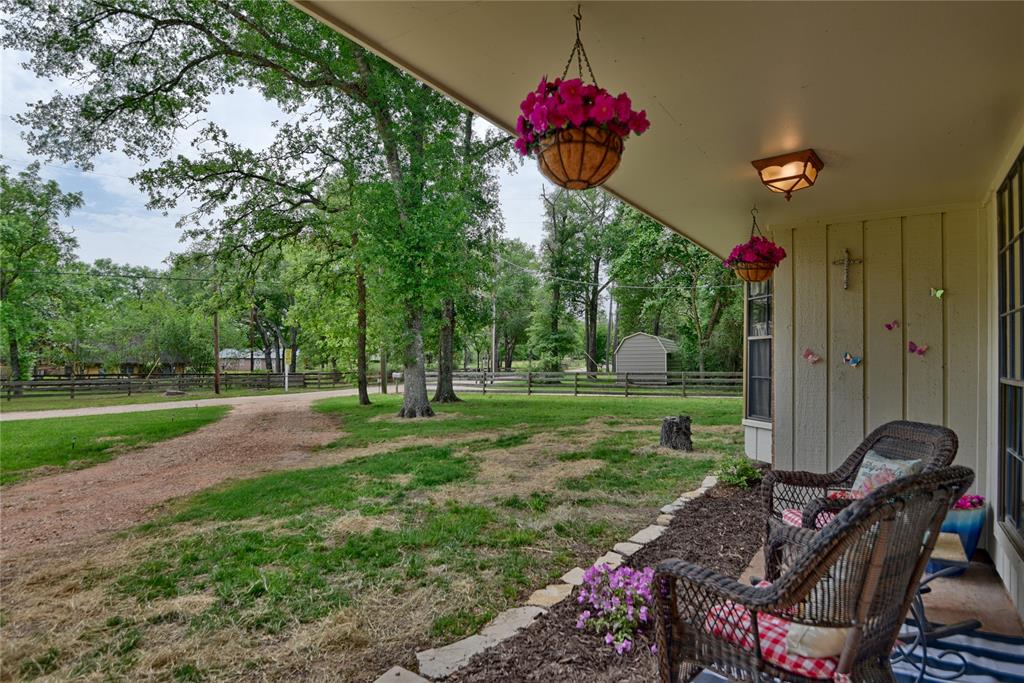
{"x":608,"y":339}
{"x":15,"y":360}
{"x":268,"y":360}
{"x":656,"y":323}
{"x":383,"y":371}
{"x":414,"y":399}
{"x":294,"y":363}
{"x":364,"y":392}
{"x":445,"y":392}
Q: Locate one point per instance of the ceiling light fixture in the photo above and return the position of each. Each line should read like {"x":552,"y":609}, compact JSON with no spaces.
{"x":788,"y":173}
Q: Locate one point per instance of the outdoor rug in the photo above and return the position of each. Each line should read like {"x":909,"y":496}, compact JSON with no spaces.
{"x":990,"y":659}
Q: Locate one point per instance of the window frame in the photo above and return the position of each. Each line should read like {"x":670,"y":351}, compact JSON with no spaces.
{"x":1010,"y":336}
{"x":750,"y":340}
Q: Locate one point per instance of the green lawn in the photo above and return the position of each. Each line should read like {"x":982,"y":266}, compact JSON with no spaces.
{"x":80,"y":401}
{"x":82,"y":441}
{"x":412,"y":534}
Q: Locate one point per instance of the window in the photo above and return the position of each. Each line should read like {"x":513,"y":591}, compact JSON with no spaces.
{"x":759,"y":350}
{"x":1010,"y":222}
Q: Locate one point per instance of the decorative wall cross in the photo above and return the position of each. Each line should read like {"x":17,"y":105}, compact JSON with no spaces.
{"x":846,"y":262}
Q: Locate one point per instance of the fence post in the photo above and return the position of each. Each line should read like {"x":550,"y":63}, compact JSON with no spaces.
{"x":529,"y":383}
{"x":682,"y":383}
{"x":575,"y":384}
{"x":129,"y":386}
{"x":72,"y":386}
{"x":627,"y":384}
{"x":485,"y":382}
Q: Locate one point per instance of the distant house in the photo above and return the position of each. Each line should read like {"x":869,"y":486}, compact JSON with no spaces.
{"x":237,"y":360}
{"x":648,"y":356}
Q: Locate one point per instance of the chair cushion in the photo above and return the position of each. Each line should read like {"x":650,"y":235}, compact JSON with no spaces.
{"x":794,"y":517}
{"x":877,"y":470}
{"x":816,"y":641}
{"x":732,"y":622}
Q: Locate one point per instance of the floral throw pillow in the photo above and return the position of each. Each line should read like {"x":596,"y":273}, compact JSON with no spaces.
{"x":877,"y":470}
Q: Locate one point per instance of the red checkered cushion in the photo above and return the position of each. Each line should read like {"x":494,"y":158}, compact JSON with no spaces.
{"x":732,"y":622}
{"x":794,"y":517}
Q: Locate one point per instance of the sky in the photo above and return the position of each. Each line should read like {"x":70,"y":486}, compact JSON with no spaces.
{"x":114,"y":222}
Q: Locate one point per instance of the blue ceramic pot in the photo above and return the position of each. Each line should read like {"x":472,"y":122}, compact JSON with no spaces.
{"x":968,"y":525}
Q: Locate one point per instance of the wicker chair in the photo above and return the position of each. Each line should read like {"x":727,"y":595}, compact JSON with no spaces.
{"x":934,"y":445}
{"x":859,"y":572}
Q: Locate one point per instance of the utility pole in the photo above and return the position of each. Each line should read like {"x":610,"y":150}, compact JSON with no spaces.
{"x":608,"y":338}
{"x":216,"y":352}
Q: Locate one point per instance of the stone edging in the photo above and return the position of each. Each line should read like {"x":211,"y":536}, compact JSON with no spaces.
{"x":443,"y":661}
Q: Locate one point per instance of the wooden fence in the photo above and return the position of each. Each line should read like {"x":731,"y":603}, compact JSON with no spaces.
{"x":599,"y":383}
{"x":127,"y":386}
{"x":484,"y":382}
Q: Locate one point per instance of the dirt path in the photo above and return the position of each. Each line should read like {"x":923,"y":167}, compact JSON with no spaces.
{"x":303,"y":397}
{"x":257,"y":436}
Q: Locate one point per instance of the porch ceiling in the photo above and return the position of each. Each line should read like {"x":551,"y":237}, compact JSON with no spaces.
{"x":909,"y":104}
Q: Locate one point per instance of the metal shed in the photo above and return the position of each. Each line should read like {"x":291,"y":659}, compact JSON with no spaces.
{"x":646,"y":353}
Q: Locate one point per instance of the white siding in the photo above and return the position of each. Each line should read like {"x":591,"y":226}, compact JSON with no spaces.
{"x":640,"y":353}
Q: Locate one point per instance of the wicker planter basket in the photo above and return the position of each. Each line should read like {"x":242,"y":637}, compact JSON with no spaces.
{"x":758,"y":271}
{"x":580,"y":158}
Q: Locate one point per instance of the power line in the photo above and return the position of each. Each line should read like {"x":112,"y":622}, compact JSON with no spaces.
{"x":545,"y":276}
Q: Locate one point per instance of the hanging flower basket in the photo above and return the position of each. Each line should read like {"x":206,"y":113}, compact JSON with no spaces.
{"x":576,"y":129}
{"x":579,"y":158}
{"x":756,"y":259}
{"x":757,"y":271}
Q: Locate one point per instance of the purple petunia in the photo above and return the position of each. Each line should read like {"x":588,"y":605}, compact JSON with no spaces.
{"x":618,"y":603}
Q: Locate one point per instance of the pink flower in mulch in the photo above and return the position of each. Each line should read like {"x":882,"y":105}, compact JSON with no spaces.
{"x":618,"y":603}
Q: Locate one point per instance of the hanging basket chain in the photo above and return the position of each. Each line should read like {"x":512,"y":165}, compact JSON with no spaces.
{"x":579,"y":52}
{"x":755,"y":229}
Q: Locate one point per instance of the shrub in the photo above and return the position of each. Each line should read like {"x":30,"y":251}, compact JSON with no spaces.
{"x":618,"y":603}
{"x":738,"y":470}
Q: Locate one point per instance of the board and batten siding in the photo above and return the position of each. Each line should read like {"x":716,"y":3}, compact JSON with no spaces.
{"x":823,"y":410}
{"x":640,"y":352}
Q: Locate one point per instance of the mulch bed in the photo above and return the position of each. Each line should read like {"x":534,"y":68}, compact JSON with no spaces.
{"x":721,"y":530}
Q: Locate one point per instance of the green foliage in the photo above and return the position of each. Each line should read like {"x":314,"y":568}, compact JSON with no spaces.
{"x":32,"y":247}
{"x":738,"y":470}
{"x":84,"y":441}
{"x":685,"y":291}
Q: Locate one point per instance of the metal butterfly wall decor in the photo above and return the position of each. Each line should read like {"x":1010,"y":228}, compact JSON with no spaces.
{"x":893,"y":325}
{"x":851,"y":360}
{"x":919,"y":350}
{"x":811,"y":357}
{"x":937,"y":293}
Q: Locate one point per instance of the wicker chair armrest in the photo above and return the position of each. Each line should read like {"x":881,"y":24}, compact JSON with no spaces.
{"x":820,"y":505}
{"x":782,"y":489}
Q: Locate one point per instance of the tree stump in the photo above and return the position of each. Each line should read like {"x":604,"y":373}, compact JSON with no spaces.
{"x":676,"y":433}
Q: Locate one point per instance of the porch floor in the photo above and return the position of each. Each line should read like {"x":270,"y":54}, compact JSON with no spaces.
{"x":977,"y":594}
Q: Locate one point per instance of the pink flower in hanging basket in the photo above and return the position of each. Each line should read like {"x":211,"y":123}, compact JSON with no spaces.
{"x":562,"y":104}
{"x":756,"y":250}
